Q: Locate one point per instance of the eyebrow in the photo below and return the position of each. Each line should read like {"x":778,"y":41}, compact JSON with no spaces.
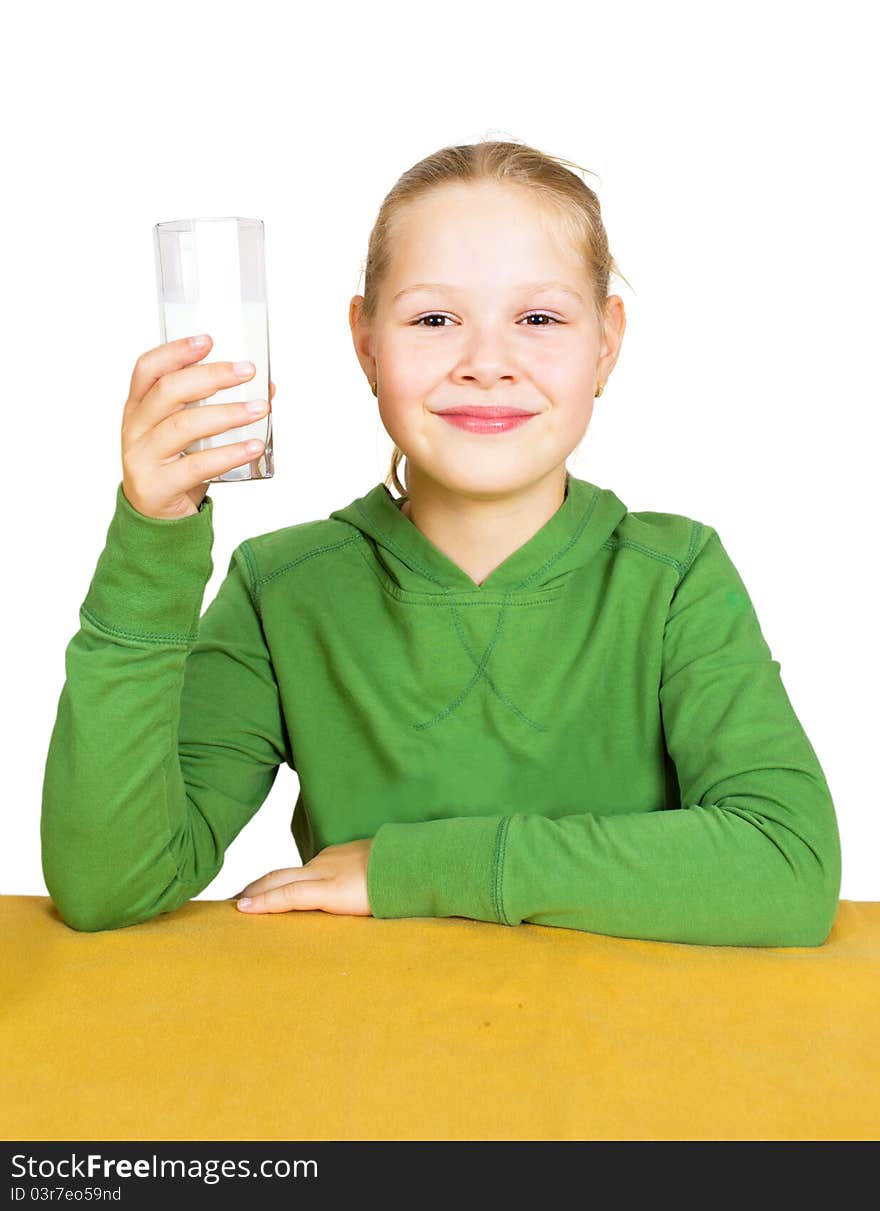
{"x":533,"y":287}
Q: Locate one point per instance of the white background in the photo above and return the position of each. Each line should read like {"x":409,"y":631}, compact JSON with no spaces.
{"x":735,"y":152}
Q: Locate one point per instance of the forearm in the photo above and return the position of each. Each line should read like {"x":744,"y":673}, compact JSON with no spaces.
{"x":119,"y":839}
{"x":740,"y":872}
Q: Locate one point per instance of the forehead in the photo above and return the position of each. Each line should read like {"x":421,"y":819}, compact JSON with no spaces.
{"x":485,"y":234}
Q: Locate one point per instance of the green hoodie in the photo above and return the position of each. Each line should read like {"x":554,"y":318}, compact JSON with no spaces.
{"x":596,"y":737}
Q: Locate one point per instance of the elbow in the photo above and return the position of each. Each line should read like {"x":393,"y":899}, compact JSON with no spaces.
{"x":795,"y":903}
{"x":817,"y":895}
{"x":90,"y":912}
{"x":74,"y":886}
{"x":811,"y":929}
{"x":82,"y":918}
{"x":817,"y":919}
{"x":88,"y":900}
{"x":77,"y":901}
{"x":87,"y":923}
{"x":82,"y":914}
{"x":94,"y":919}
{"x":790,"y":921}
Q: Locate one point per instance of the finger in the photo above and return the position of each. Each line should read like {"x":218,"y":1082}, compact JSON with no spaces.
{"x":150,"y":366}
{"x":167,"y":401}
{"x":274,"y":879}
{"x":271,"y":389}
{"x":301,"y":894}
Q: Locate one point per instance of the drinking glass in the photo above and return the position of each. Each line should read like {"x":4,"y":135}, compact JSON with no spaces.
{"x":211,"y":277}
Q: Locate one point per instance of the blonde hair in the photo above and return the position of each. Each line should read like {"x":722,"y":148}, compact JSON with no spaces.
{"x":568,"y":197}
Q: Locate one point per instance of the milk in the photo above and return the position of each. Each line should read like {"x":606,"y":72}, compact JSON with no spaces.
{"x":240,"y":332}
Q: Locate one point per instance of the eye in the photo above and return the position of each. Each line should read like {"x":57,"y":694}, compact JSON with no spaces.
{"x":435,"y":315}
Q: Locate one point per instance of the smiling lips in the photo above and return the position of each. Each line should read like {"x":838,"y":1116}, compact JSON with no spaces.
{"x":486,"y":410}
{"x":485,"y":419}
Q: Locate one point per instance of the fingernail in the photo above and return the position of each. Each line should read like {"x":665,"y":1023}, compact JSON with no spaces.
{"x":199,"y":342}
{"x":243,"y":903}
{"x":242,"y":368}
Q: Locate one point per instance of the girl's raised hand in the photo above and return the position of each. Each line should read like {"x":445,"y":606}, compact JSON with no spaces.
{"x":334,"y":881}
{"x":157,"y":426}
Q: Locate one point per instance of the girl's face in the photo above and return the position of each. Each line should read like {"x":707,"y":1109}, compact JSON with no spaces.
{"x":505,"y":318}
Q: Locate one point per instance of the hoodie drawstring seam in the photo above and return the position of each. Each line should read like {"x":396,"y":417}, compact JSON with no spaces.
{"x":478,"y":676}
{"x":481,"y":674}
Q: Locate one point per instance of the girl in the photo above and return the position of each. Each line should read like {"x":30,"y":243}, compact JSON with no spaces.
{"x":506,"y":696}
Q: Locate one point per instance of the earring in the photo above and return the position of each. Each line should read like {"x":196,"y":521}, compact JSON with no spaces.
{"x":373,"y":387}
{"x":599,"y":392}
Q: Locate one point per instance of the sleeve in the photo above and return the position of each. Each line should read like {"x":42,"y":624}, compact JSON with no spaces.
{"x":751,"y":858}
{"x":169,"y":729}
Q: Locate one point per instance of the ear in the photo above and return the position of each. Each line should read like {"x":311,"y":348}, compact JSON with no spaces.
{"x":362,"y":337}
{"x":613,"y":329}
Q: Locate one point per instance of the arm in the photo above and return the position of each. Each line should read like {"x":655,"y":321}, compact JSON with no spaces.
{"x":169,"y":730}
{"x":752,"y":858}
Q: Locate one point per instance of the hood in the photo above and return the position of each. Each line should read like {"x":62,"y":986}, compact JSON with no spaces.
{"x":570,"y":539}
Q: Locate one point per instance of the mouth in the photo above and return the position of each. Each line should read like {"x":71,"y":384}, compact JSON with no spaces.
{"x":485,"y":420}
{"x":484,"y":411}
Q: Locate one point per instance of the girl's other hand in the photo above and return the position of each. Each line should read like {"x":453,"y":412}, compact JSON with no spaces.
{"x":334,"y":881}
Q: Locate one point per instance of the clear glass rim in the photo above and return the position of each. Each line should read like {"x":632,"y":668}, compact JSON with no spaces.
{"x":185,"y":224}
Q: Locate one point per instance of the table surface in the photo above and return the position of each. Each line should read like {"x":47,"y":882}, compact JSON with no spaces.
{"x":207,"y":1024}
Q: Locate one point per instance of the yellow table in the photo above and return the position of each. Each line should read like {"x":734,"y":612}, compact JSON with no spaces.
{"x":206,"y":1024}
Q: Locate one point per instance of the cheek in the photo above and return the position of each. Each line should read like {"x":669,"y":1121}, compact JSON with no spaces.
{"x":406,"y":384}
{"x":402,"y":416}
{"x":576,"y":420}
{"x":565,"y":366}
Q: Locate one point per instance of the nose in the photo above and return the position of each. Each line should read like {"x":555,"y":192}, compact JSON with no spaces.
{"x":486,"y":357}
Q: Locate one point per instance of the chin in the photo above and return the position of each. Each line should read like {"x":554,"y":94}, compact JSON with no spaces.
{"x":488,"y":477}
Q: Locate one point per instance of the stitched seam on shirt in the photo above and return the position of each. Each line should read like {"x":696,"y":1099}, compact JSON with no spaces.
{"x":392,"y":546}
{"x":330,"y":546}
{"x":447,"y":593}
{"x":480,"y":672}
{"x":177,"y":638}
{"x":613,"y":544}
{"x":498,"y":870}
{"x":588,"y":513}
{"x":511,"y":706}
{"x":436,"y":601}
{"x":696,"y":531}
{"x":253,"y":577}
{"x":478,"y":675}
{"x":548,"y":563}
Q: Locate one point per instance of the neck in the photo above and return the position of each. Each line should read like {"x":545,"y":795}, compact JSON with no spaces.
{"x":479,"y":533}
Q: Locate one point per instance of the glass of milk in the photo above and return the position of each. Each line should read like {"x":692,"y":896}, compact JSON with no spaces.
{"x":211,"y":277}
